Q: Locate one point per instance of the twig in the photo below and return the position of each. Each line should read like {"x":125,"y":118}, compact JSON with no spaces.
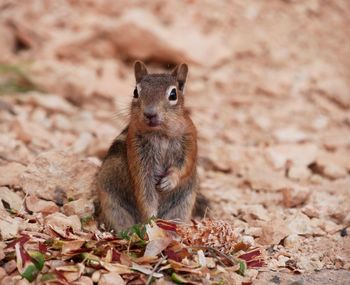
{"x":218,"y":252}
{"x":154,"y":269}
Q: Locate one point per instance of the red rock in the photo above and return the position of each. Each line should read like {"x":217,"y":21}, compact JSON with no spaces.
{"x":273,"y":232}
{"x":52,"y":103}
{"x":12,"y":198}
{"x":297,"y":154}
{"x":2,"y":273}
{"x":300,"y":224}
{"x":34,"y":204}
{"x":57,"y":176}
{"x":295,"y":196}
{"x":299,"y":173}
{"x":155,"y":44}
{"x":8,"y":280}
{"x":81,"y":207}
{"x":10,"y":173}
{"x":10,"y":266}
{"x":290,"y":135}
{"x":9,"y":228}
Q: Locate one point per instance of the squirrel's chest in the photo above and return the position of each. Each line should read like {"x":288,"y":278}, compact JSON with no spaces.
{"x":159,"y":153}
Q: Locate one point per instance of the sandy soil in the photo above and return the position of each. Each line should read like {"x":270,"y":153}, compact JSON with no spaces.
{"x":268,"y":89}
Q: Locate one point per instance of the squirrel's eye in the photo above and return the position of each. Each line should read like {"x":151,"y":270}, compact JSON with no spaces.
{"x":136,"y":93}
{"x":173,"y":95}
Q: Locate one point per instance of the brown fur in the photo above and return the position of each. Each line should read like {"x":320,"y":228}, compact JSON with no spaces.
{"x":151,"y":170}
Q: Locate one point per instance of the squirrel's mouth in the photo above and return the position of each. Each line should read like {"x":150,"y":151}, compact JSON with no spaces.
{"x":153,"y":123}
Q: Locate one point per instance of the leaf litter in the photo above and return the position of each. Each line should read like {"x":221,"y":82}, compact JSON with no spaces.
{"x":158,"y":250}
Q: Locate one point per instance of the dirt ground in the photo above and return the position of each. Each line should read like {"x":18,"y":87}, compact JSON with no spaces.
{"x":268,"y":89}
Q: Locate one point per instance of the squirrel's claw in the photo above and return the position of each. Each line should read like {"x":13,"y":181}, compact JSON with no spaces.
{"x":168,"y":183}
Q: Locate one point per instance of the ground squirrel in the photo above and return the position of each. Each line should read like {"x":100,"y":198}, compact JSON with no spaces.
{"x":150,"y":169}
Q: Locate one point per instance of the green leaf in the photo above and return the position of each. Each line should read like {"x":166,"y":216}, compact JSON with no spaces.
{"x":14,"y":78}
{"x":30,"y":272}
{"x":57,"y":244}
{"x":90,"y":259}
{"x":178,"y":279}
{"x":38,"y":259}
{"x":242,"y":267}
{"x":137,"y":230}
{"x":221,"y":281}
{"x":48,"y":277}
{"x":86,"y":220}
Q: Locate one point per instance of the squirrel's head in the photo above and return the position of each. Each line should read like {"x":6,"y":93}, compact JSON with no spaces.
{"x":158,"y":99}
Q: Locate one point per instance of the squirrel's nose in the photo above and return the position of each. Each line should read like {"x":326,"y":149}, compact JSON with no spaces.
{"x":150,"y":113}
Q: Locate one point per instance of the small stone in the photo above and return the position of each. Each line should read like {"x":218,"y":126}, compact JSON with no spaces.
{"x":290,"y":135}
{"x":264,"y":178}
{"x":311,"y":211}
{"x":347,"y":219}
{"x":334,"y":171}
{"x":8,"y":280}
{"x":300,"y":155}
{"x":82,"y":143}
{"x":9,"y":228}
{"x":273,"y":232}
{"x":291,"y":241}
{"x":298,"y":172}
{"x":2,"y":273}
{"x":300,"y":224}
{"x":12,"y":170}
{"x":251,"y":273}
{"x":210,"y":262}
{"x":249,"y":212}
{"x":96,"y":276}
{"x":282,"y":260}
{"x":10,"y":266}
{"x":22,"y":282}
{"x":253,"y":231}
{"x":11,"y":198}
{"x":330,"y":227}
{"x":310,"y":263}
{"x":320,"y":123}
{"x":81,"y":207}
{"x":52,"y":103}
{"x":295,"y":196}
{"x":249,"y":240}
{"x":316,"y":179}
{"x":61,"y":122}
{"x":35,"y":205}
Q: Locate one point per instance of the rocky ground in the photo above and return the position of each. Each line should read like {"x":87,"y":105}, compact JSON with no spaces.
{"x":269,"y":91}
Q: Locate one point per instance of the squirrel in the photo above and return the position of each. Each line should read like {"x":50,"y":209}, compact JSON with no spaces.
{"x":150,"y":168}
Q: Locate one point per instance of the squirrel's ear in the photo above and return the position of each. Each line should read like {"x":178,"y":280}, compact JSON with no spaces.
{"x":180,"y":72}
{"x":140,"y":70}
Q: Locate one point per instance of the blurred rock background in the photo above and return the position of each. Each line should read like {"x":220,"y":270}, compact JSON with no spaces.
{"x":268,"y":88}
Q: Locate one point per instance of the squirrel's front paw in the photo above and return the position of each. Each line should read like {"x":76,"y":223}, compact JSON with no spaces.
{"x":168,"y":182}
